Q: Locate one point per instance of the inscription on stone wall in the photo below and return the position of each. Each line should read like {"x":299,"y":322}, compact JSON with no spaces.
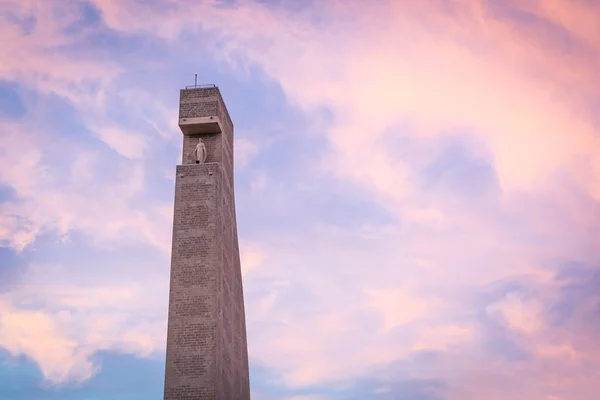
{"x":194,"y":246}
{"x":190,"y":305}
{"x":190,"y":365}
{"x":193,"y":275}
{"x":195,"y":335}
{"x":194,"y":215}
{"x":189,"y":393}
{"x":194,"y":192}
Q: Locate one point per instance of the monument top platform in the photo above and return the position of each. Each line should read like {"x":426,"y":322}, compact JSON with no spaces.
{"x":202,"y":86}
{"x":202,"y":110}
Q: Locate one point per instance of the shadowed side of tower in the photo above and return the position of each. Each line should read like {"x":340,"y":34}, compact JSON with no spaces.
{"x":207,"y":355}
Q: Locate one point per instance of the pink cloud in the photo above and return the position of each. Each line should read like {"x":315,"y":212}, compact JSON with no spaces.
{"x":471,"y":75}
{"x":424,"y":71}
{"x":38,"y":336}
{"x":60,"y":323}
{"x":46,"y":199}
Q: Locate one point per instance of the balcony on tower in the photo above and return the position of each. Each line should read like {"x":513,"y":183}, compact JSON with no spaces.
{"x":201,"y":110}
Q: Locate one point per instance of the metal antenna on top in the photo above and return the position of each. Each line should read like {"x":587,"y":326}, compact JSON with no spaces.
{"x":195,"y":80}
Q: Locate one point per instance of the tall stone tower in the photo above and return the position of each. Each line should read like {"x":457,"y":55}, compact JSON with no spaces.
{"x":207,"y":355}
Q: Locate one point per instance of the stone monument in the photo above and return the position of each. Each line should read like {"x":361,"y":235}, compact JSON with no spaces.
{"x":207,"y":355}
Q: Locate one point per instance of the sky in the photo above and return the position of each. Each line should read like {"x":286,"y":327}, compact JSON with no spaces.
{"x":417,"y":191}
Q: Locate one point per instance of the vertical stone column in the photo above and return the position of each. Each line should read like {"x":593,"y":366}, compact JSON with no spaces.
{"x":207,"y":354}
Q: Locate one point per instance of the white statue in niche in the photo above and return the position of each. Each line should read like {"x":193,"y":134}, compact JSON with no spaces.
{"x":200,"y":152}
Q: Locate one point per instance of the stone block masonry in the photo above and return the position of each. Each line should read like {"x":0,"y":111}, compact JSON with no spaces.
{"x":207,"y":355}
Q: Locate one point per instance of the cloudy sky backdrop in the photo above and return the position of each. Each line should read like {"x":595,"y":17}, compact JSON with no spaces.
{"x":417,"y":182}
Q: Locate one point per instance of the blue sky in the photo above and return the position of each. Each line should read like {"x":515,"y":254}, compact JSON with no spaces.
{"x":416,"y":190}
